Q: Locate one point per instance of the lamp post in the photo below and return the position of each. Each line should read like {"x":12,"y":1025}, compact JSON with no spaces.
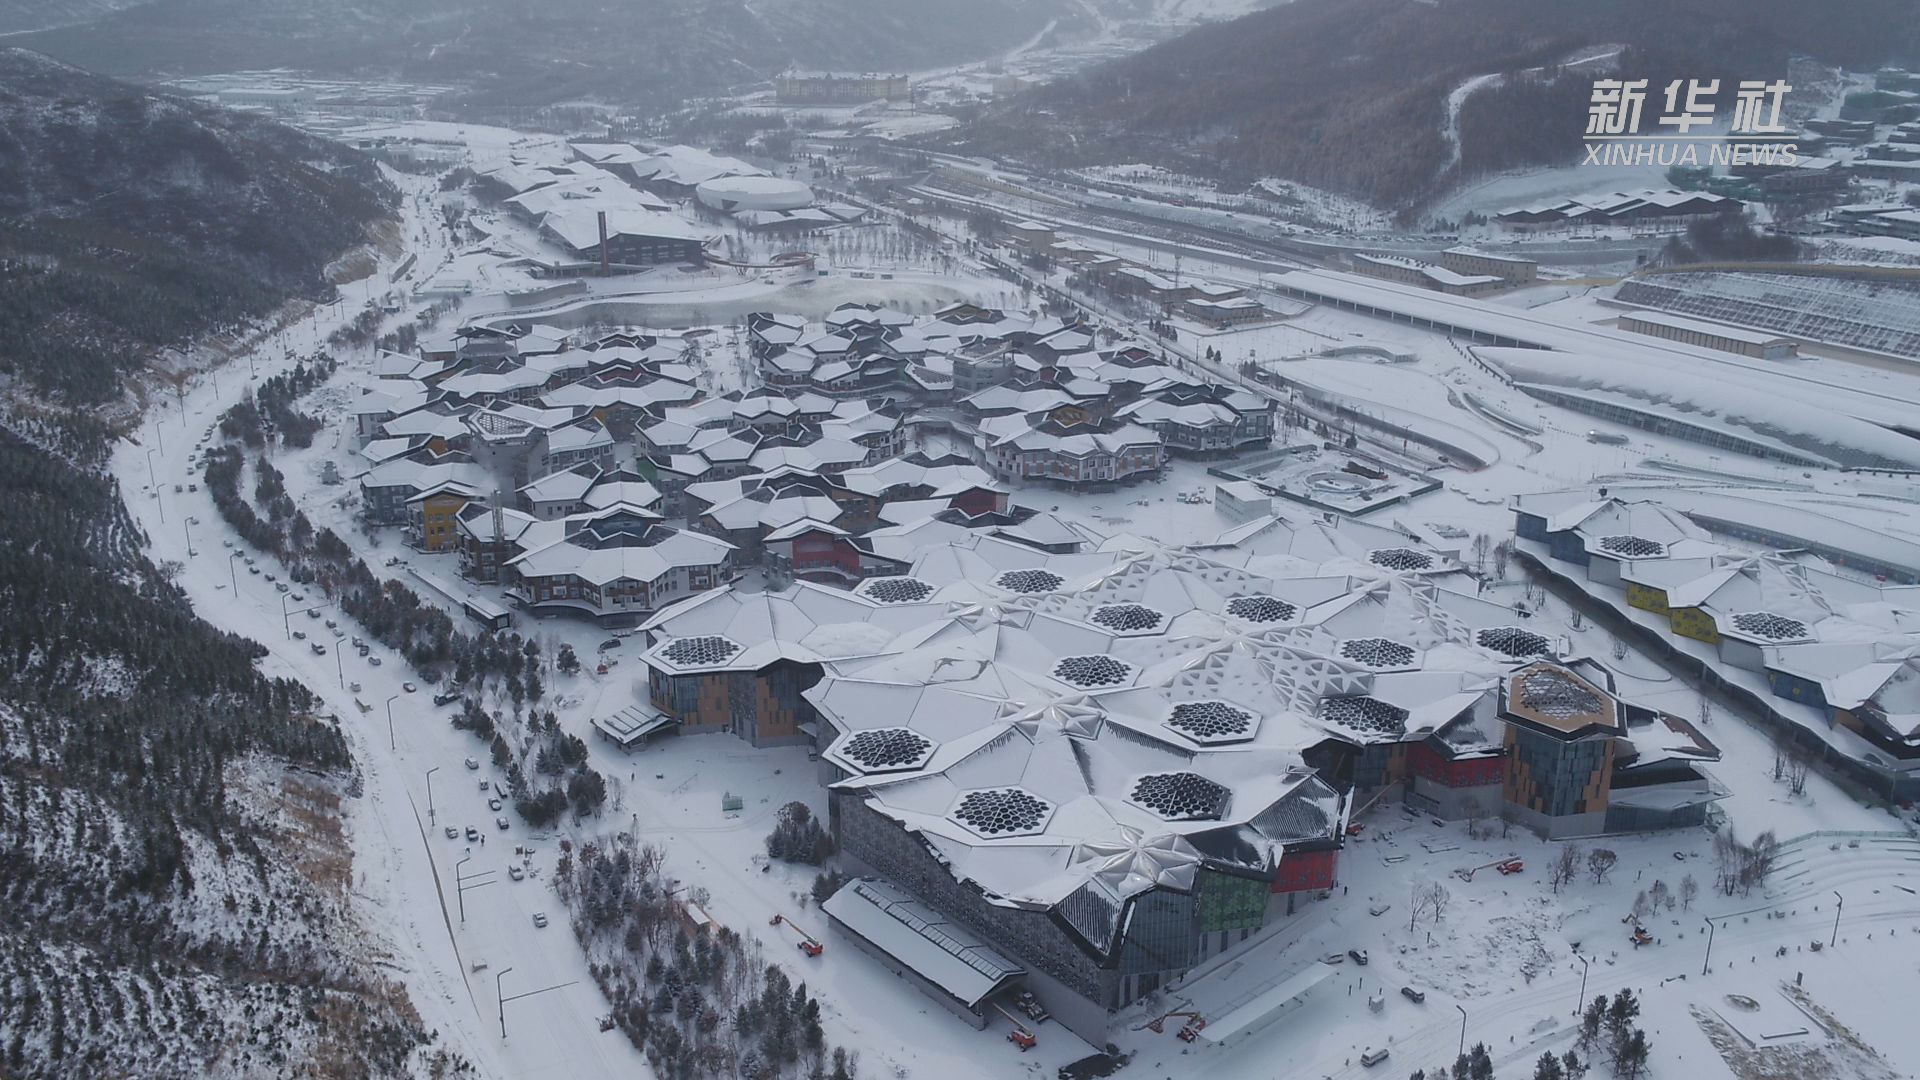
{"x":286,"y":615}
{"x":431,"y":820}
{"x":1463,"y":1026}
{"x":1708,"y":959}
{"x":1584,"y":965}
{"x":1839,"y":902}
{"x":339,"y":666}
{"x":155,"y":484}
{"x":460,"y":882}
{"x":234,"y":573}
{"x":500,"y":999}
{"x":391,"y":744}
{"x":188,"y":533}
{"x":159,"y":503}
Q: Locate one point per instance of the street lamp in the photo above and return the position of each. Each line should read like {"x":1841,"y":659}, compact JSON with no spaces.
{"x":1709,"y":957}
{"x":430,"y":816}
{"x":1840,"y":902}
{"x":1463,"y":1027}
{"x":286,"y":615}
{"x":339,"y":666}
{"x":158,"y":503}
{"x":234,"y":573}
{"x":1584,"y":965}
{"x":391,"y":744}
{"x":500,"y":1000}
{"x":150,"y":479}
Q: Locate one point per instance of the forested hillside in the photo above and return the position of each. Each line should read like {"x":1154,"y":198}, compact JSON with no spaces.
{"x":1350,"y":95}
{"x":171,"y":859}
{"x":641,"y":53}
{"x":131,"y":222}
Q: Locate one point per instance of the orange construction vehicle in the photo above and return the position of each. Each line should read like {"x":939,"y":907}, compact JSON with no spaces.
{"x":1191,"y":1029}
{"x":808,"y":944}
{"x":1019,"y":1036}
{"x":1159,"y":1023}
{"x":1511,"y":866}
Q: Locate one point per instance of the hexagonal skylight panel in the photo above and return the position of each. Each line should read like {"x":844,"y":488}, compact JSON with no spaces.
{"x":895,"y":590}
{"x":1181,"y":796}
{"x":1551,"y":692}
{"x":994,"y":812}
{"x":1361,"y":713}
{"x":1029,"y":581}
{"x":1127,"y":618}
{"x":1765,"y":624}
{"x":1092,"y":672}
{"x":1632,"y":547}
{"x":1376,"y":652}
{"x":1400,"y":559}
{"x":1513,"y":641}
{"x":1261,"y":609}
{"x":699,"y":651}
{"x":1209,"y":722}
{"x":887,"y":749}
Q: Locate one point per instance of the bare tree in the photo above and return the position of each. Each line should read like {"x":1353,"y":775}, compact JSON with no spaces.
{"x":1475,"y":813}
{"x":1659,"y":895}
{"x":1600,"y":862}
{"x":1564,"y":867}
{"x":1689,"y":889}
{"x":1618,"y":647}
{"x":1779,"y":760}
{"x":1437,"y":898}
{"x":1642,"y":906}
{"x":1799,"y":764}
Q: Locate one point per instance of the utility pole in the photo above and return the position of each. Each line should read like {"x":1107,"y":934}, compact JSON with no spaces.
{"x":1463,"y":1027}
{"x":1840,"y":902}
{"x":430,"y":815}
{"x":1709,"y":957}
{"x":503,"y":1000}
{"x":391,"y":743}
{"x":460,"y":881}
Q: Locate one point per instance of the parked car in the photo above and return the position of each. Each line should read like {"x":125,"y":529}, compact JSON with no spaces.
{"x":299,"y":635}
{"x":319,"y":649}
{"x":1418,"y":997}
{"x":299,"y":596}
{"x":253,"y":569}
{"x":1379,"y":909}
{"x":540,"y":919}
{"x":278,"y":586}
{"x":447,"y":698}
{"x":313,"y":613}
{"x":373,"y":661}
{"x":472,"y":764}
{"x":610,"y":643}
{"x":1359,"y":956}
{"x":1373,"y":1057}
{"x":494,"y":805}
{"x":1333,"y":958}
{"x":453,"y":833}
{"x":503,"y":822}
{"x":516,"y":873}
{"x":408,"y":687}
{"x":473,"y":833}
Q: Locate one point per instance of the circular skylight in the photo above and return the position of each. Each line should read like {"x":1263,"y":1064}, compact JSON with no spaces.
{"x":1029,"y":581}
{"x":1002,"y":811}
{"x":1365,"y":714}
{"x":1400,"y":559}
{"x":1090,"y":671}
{"x":1181,"y":796}
{"x":1633,"y":547}
{"x":1513,"y":641}
{"x":883,"y":749}
{"x":699,"y":651}
{"x":896,"y":590}
{"x":1768,"y":625}
{"x":1261,"y":609}
{"x":1211,"y":721}
{"x":1125,"y":617}
{"x":1377,"y":652}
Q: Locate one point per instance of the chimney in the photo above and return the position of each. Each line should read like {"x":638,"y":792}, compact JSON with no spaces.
{"x":604,"y":271}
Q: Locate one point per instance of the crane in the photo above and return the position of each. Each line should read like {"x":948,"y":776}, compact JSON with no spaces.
{"x":1019,"y":1036}
{"x":808,"y":944}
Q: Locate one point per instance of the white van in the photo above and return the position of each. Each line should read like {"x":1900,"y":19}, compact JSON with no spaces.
{"x":1373,"y":1057}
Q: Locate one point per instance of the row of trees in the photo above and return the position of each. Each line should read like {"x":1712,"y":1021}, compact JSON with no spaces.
{"x":702,"y":1004}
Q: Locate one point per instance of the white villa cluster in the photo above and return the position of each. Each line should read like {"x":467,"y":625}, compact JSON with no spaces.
{"x":1036,"y":396}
